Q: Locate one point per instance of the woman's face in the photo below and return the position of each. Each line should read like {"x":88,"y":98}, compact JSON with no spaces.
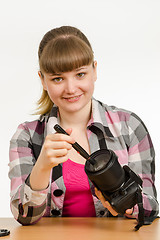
{"x":71,"y":91}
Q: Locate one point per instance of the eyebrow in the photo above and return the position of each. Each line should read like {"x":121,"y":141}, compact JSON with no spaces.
{"x":59,"y":74}
{"x":54,"y":74}
{"x":81,"y":68}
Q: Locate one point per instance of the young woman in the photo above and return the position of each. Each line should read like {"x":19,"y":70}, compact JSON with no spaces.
{"x":47,"y":174}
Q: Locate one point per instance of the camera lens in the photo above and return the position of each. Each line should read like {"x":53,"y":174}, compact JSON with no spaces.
{"x":107,"y":174}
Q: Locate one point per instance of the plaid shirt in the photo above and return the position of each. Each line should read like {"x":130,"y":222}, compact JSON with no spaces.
{"x":123,"y":132}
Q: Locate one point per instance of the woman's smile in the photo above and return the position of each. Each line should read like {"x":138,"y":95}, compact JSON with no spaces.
{"x":73,"y":98}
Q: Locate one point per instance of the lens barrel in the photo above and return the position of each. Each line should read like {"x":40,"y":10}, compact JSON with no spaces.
{"x":106,"y":173}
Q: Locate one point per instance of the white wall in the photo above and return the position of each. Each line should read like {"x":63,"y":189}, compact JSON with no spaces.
{"x":125,"y":36}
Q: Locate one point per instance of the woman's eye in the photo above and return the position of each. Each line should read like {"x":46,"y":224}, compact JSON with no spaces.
{"x":80,"y":75}
{"x":57,"y":80}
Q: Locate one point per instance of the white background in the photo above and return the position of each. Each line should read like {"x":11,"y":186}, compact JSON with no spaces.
{"x":125,"y":36}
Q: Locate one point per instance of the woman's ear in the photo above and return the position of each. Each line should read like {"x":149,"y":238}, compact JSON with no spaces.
{"x":95,"y":70}
{"x":40,"y":74}
{"x":95,"y":64}
{"x":42,"y":80}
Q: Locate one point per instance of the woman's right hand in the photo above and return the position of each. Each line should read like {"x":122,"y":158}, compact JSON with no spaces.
{"x":54,"y":151}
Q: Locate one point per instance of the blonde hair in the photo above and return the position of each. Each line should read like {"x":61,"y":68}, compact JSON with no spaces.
{"x":61,"y":50}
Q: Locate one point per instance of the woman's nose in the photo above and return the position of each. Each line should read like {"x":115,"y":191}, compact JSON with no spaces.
{"x":70,"y":86}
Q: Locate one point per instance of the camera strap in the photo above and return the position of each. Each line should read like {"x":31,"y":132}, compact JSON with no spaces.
{"x":100,"y":136}
{"x":141,"y":210}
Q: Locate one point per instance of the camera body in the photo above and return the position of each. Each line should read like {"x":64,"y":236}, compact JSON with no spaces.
{"x":119,"y":185}
{"x":125,"y":197}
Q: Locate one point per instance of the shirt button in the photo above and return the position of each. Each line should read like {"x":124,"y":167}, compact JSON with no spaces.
{"x":102,"y":213}
{"x":20,"y":208}
{"x":55,"y":212}
{"x":57,"y":192}
{"x":26,"y":196}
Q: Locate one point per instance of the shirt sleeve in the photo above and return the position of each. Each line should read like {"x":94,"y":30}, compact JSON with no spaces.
{"x":27,"y":206}
{"x":142,"y":161}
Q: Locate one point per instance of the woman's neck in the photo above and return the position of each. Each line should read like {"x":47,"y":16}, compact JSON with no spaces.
{"x":76,"y":119}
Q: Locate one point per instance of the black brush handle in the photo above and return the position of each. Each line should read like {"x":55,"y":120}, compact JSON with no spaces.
{"x":75,"y":145}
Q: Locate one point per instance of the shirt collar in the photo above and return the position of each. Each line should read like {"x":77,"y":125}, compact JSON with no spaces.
{"x":98,"y":118}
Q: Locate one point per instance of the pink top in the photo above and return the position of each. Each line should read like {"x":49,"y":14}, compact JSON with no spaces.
{"x":78,"y":200}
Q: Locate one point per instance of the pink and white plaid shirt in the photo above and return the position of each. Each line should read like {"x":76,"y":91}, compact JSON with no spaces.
{"x":124,"y":133}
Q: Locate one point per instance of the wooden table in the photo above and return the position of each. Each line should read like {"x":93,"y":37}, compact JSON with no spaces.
{"x":81,"y":229}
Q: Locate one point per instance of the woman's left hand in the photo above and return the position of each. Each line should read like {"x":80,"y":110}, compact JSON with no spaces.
{"x":107,"y":205}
